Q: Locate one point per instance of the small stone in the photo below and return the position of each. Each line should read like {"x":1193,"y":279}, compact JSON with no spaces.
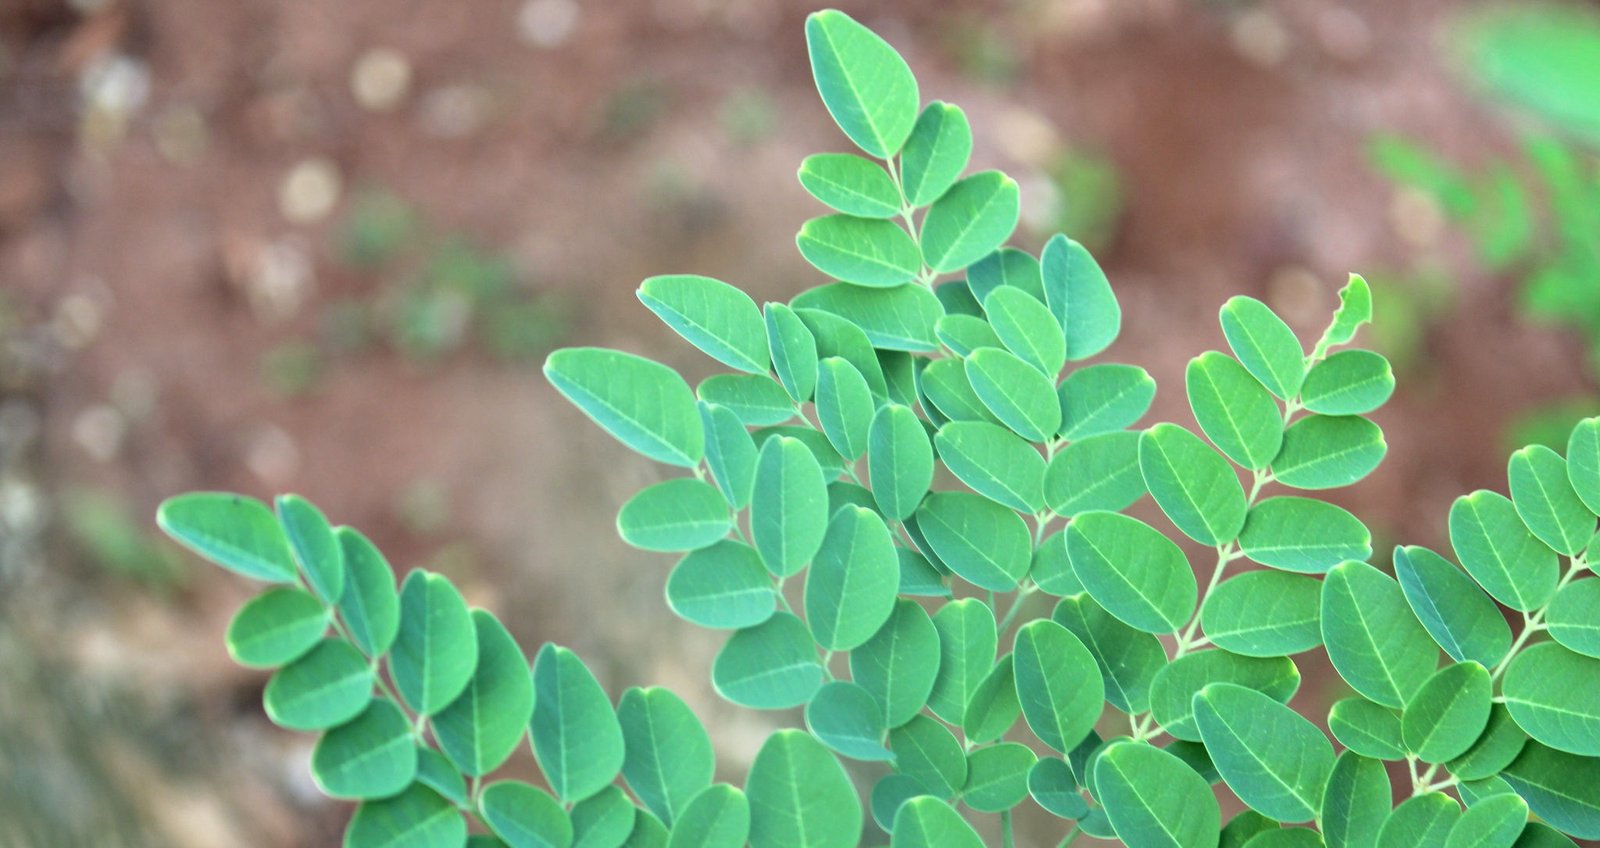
{"x":310,"y":191}
{"x":100,"y":431}
{"x":547,"y":23}
{"x":454,"y":111}
{"x":380,"y":79}
{"x":1259,"y":36}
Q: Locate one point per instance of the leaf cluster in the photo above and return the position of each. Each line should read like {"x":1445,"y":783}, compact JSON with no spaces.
{"x":907,"y":506}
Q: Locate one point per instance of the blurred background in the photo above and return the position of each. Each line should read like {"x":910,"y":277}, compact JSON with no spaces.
{"x":291,"y":245}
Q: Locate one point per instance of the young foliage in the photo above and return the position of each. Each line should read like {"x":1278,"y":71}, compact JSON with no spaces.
{"x":812,"y":519}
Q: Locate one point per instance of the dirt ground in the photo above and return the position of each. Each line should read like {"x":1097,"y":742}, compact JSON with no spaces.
{"x":176,"y":179}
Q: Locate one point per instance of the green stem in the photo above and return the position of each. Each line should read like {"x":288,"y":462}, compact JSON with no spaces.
{"x":1023,"y":593}
{"x":1071,"y":836}
{"x":1007,"y":838}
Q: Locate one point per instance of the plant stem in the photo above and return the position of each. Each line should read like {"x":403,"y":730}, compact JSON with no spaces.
{"x":1069,"y":838}
{"x":1007,"y":839}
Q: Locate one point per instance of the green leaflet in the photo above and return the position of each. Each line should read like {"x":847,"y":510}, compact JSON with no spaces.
{"x":1007,"y":266}
{"x":936,"y":153}
{"x":1302,"y":534}
{"x":995,"y":462}
{"x":1493,"y":823}
{"x":1173,"y":688}
{"x":1243,"y":827}
{"x":793,"y":350}
{"x":1080,"y":297}
{"x":846,"y":718}
{"x":1053,"y":787}
{"x":844,"y":406}
{"x":994,"y":707}
{"x":372,"y":756}
{"x":437,"y":650}
{"x":719,"y":817}
{"x":328,"y":686}
{"x":436,"y":773}
{"x":1027,"y":328}
{"x":1541,"y":835}
{"x":963,"y":334}
{"x":789,"y":510}
{"x":682,"y":514}
{"x":1234,"y":410}
{"x":1355,"y":802}
{"x":927,"y":752}
{"x":576,"y":736}
{"x":717,"y":318}
{"x":416,"y":818}
{"x":479,"y":730}
{"x":1103,"y":398}
{"x":850,"y":184}
{"x":1290,"y":837}
{"x":1192,"y":484}
{"x":1058,"y":684}
{"x":836,"y":336}
{"x":1154,"y":799}
{"x":1051,"y":571}
{"x":1448,"y":712}
{"x":668,"y":757}
{"x":1573,"y":617}
{"x":602,"y":820}
{"x":1016,"y":393}
{"x":945,"y":385}
{"x":1422,"y":821}
{"x":1500,"y":743}
{"x":730,"y":454}
{"x":899,"y":460}
{"x":1495,"y":547}
{"x":757,"y":400}
{"x":967,"y":642}
{"x":1328,"y":451}
{"x":770,"y":666}
{"x":969,"y":221}
{"x":853,"y":580}
{"x":1543,"y":496}
{"x":868,"y":89}
{"x":1350,"y":382}
{"x":643,"y":404}
{"x":524,"y":816}
{"x":899,"y":374}
{"x":1264,"y":344}
{"x":1099,"y":472}
{"x":1457,"y":613}
{"x":315,"y":548}
{"x":1129,"y":659}
{"x":724,"y":587}
{"x":1271,"y":757}
{"x":861,"y":251}
{"x":1368,"y":729}
{"x":1373,"y":640}
{"x":930,"y":823}
{"x":1583,"y":462}
{"x":899,"y":664}
{"x":233,"y":531}
{"x":370,"y":606}
{"x":888,"y":795}
{"x":983,"y":542}
{"x":1355,"y":309}
{"x":997,"y":776}
{"x":1132,"y":570}
{"x":828,"y":459}
{"x":900,"y":318}
{"x":919,"y":577}
{"x":1264,"y":614}
{"x":276,"y":627}
{"x":1561,"y":788}
{"x":648,"y":832}
{"x":800,"y":797}
{"x":1550,"y":692}
{"x":1194,"y":755}
{"x":957,"y":295}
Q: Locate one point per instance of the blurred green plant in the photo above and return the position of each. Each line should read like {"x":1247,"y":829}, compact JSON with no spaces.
{"x":1090,"y":197}
{"x":808,"y":472}
{"x":106,"y":531}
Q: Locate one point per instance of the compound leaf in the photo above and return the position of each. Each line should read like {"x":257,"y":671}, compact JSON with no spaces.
{"x":861,"y":251}
{"x":723,"y":587}
{"x":328,"y":686}
{"x":1459,"y":616}
{"x":416,"y":818}
{"x":1016,"y":393}
{"x":770,"y":666}
{"x":899,"y":664}
{"x":371,"y":756}
{"x":1103,"y":398}
{"x":1234,"y":410}
{"x":1350,"y":382}
{"x":1264,"y":614}
{"x":1448,"y":713}
{"x":276,"y":627}
{"x":1173,"y":688}
{"x":983,"y":542}
{"x":681,"y":514}
{"x":1328,"y":451}
{"x":789,"y":510}
{"x":853,"y":581}
{"x":899,"y":460}
{"x":850,"y":184}
{"x":1550,"y":692}
{"x":1154,"y":799}
{"x":1373,"y":640}
{"x":1302,"y":534}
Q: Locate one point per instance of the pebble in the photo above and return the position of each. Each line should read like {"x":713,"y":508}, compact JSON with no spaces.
{"x":380,"y":79}
{"x":309,"y":191}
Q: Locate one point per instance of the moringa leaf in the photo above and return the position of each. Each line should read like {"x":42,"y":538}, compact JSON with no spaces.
{"x":479,"y":730}
{"x":416,"y":818}
{"x":233,"y":531}
{"x":850,"y":184}
{"x":328,"y":686}
{"x":994,"y":707}
{"x":868,"y":89}
{"x":717,"y":318}
{"x":756,"y":399}
{"x":1350,"y":382}
{"x":968,"y":639}
{"x":1079,"y":295}
{"x":994,"y":462}
{"x":371,"y":756}
{"x":1573,"y":617}
{"x":1493,"y":823}
{"x":1153,"y":798}
{"x":1369,"y":729}
{"x":719,"y":817}
{"x":861,"y":251}
{"x":1016,"y":393}
{"x":1132,"y":570}
{"x":1459,"y":616}
{"x":793,"y":349}
{"x":1006,"y":267}
{"x":1264,"y":614}
{"x":1027,"y":328}
{"x":1264,"y":344}
{"x":524,"y":816}
{"x":315,"y":548}
{"x":963,"y":334}
{"x":1058,"y":684}
{"x":1129,"y":659}
{"x":846,"y":718}
{"x":899,"y":460}
{"x":983,"y":542}
{"x":1499,"y":744}
{"x":1302,"y":534}
{"x":602,"y":820}
{"x":770,"y":666}
{"x":1328,"y":451}
{"x":681,"y":514}
{"x":1583,"y":462}
{"x":1373,"y":640}
{"x":1099,"y":472}
{"x":1448,"y":713}
{"x":1421,"y":821}
{"x":900,"y":318}
{"x":853,"y":581}
{"x":1543,"y":496}
{"x":1173,"y":688}
{"x":1549,"y":691}
{"x":927,"y":822}
{"x":723,"y":587}
{"x":969,"y":221}
{"x":1562,"y":789}
{"x":668,"y":759}
{"x":997,"y":776}
{"x":730,"y":454}
{"x":789,"y":510}
{"x":844,"y":406}
{"x":1355,"y":309}
{"x":1192,"y":484}
{"x":899,"y":664}
{"x":927,"y":752}
{"x":945,"y":385}
{"x":1496,"y":548}
{"x":437,"y":650}
{"x":576,"y":735}
{"x":276,"y":627}
{"x":1234,"y":410}
{"x":800,"y":797}
{"x":370,"y":606}
{"x":1270,"y":756}
{"x":936,"y":153}
{"x":1103,"y":398}
{"x":643,"y":404}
